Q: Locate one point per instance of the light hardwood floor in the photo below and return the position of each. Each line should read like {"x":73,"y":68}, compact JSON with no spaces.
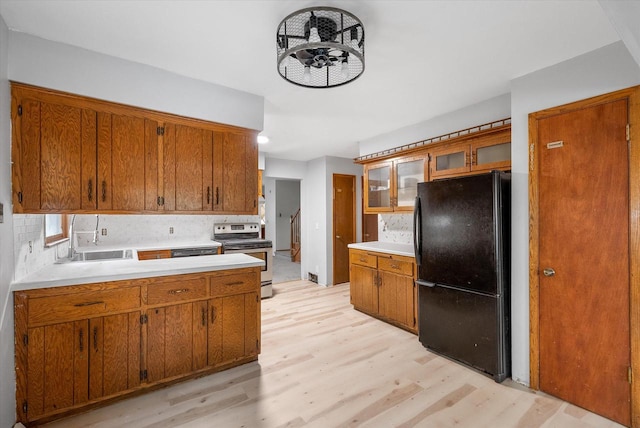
{"x":323,"y":364}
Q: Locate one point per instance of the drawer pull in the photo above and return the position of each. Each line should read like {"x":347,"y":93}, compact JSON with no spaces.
{"x":395,"y":266}
{"x":81,"y":341}
{"x":204,"y":317}
{"x":234,"y":283}
{"x":95,"y":339}
{"x":179,"y":291}
{"x":363,"y":259}
{"x":79,"y":305}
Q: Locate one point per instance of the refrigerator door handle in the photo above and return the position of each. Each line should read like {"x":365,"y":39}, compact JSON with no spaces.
{"x":425,"y":283}
{"x":417,"y":238}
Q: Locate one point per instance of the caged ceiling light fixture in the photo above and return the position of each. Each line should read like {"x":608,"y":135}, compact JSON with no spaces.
{"x":320,"y":47}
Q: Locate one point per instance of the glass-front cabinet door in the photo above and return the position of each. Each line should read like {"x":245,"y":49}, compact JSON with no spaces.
{"x":378,"y":177}
{"x":488,"y":155}
{"x":409,"y":172}
{"x":450,"y":160}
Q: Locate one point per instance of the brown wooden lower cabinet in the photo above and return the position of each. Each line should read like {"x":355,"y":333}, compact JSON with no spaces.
{"x":100,"y":349}
{"x":383,"y":285}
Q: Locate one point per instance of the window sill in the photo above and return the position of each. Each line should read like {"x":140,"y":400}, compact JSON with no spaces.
{"x":55,"y":243}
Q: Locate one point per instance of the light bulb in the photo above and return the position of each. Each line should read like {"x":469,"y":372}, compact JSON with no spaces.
{"x":344,"y":71}
{"x":354,"y":44}
{"x":314,"y":37}
{"x":306,"y":77}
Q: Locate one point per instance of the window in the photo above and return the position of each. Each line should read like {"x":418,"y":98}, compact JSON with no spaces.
{"x":55,"y":228}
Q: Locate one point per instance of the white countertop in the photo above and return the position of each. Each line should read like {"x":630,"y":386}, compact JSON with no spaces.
{"x":152,"y":246}
{"x":385,"y":247}
{"x":75,"y":273}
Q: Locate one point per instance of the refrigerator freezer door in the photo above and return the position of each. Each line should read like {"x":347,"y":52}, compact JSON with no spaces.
{"x":466,"y":327}
{"x":460,"y":233}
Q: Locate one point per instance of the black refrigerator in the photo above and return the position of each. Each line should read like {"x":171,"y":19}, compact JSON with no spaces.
{"x":462,"y":246}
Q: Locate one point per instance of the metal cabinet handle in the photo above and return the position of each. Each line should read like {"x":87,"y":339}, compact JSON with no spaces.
{"x":234,"y":283}
{"x":98,"y":302}
{"x":104,"y":190}
{"x":179,"y":291}
{"x":548,"y":272}
{"x":213,"y":314}
{"x":95,"y":339}
{"x":90,"y":190}
{"x":81,"y":334}
{"x":217,"y":195}
{"x":204,"y":317}
{"x":395,"y":266}
{"x":208,"y":195}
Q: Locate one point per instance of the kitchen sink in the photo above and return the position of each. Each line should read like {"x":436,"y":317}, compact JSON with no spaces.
{"x":86,"y":256}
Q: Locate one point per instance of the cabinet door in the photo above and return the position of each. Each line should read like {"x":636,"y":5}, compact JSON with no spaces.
{"x":127,"y":163}
{"x":52,"y":376}
{"x":491,"y":155}
{"x":396,"y":301}
{"x":378,"y":180}
{"x":235,"y":173}
{"x":56,"y":156}
{"x":169,"y":341}
{"x":450,"y":160}
{"x":188,"y":163}
{"x":364,"y":291}
{"x":234,"y":328}
{"x":114,"y":354}
{"x":408,"y":173}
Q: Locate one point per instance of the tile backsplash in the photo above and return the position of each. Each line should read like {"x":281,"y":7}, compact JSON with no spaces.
{"x":396,"y":228}
{"x":32,"y":255}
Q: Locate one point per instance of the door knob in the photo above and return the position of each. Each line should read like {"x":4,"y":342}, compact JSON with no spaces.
{"x":548,"y":272}
{"x":338,"y":236}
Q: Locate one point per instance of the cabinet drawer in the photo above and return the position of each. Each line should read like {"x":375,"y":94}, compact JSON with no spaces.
{"x":154,"y":254}
{"x":235,"y":283}
{"x":85,"y":304}
{"x":401,"y":267}
{"x":170,"y":291}
{"x":363,"y":259}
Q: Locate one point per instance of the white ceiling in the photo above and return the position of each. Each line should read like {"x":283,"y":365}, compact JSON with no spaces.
{"x":422,"y":58}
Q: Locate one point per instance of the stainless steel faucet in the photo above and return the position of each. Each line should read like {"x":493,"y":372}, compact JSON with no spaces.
{"x":72,"y":248}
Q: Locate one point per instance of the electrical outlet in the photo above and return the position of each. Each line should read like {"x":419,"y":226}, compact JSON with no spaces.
{"x":104,"y":232}
{"x":171,"y":231}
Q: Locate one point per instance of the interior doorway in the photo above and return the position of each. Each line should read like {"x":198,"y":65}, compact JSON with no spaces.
{"x":344,"y":224}
{"x":286,"y":215}
{"x":582,"y":192}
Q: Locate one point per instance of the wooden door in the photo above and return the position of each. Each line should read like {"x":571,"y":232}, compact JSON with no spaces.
{"x":127,"y":163}
{"x":584,"y":337}
{"x":169,"y":341}
{"x":56,"y":156}
{"x":233,"y":331}
{"x":364,"y":291}
{"x":379,"y":182}
{"x":52,"y":375}
{"x":188,"y":163}
{"x":450,"y":161}
{"x":395,"y":298}
{"x":344,"y":224}
{"x":114,"y":354}
{"x":235,"y":173}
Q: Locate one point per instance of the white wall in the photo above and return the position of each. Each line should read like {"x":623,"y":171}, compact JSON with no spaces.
{"x":598,"y":72}
{"x":287,"y":203}
{"x":484,"y":112}
{"x":67,"y":68}
{"x":7,"y":374}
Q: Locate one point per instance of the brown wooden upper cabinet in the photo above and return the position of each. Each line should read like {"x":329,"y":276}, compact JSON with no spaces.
{"x":479,"y":154}
{"x":75,"y":154}
{"x":392,"y":185}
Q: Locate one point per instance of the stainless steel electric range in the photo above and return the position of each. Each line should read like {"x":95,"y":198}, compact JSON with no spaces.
{"x":245,"y":238}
